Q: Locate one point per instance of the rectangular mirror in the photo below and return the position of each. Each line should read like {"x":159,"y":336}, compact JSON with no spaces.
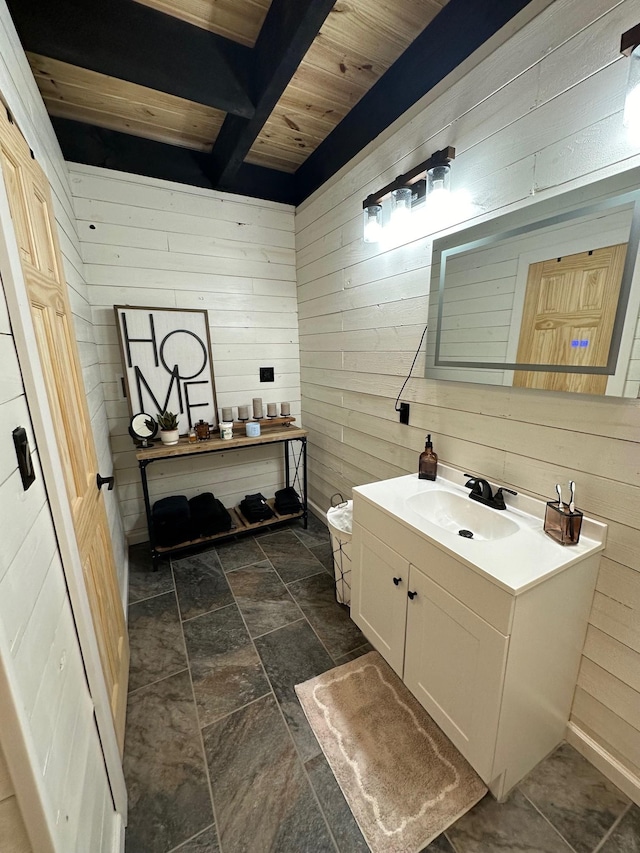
{"x":545,"y":297}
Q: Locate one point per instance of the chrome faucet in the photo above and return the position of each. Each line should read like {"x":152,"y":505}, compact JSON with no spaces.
{"x":482,"y":492}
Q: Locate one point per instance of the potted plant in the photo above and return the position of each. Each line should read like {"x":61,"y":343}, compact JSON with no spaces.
{"x":168,"y":423}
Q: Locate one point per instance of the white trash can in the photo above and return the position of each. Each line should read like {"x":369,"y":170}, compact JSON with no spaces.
{"x":339,"y":519}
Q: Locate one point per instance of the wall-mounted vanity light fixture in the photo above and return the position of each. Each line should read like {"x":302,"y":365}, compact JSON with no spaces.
{"x":406,"y":191}
{"x":630,"y":46}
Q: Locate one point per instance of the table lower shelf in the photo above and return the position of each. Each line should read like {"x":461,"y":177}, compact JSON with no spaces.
{"x":239,"y":525}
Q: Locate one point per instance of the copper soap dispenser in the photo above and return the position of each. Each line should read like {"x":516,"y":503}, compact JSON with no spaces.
{"x":428,"y":464}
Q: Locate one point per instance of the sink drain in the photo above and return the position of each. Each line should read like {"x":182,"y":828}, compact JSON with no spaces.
{"x":468,"y":534}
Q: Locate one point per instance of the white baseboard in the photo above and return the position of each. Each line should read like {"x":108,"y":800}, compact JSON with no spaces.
{"x":606,"y":763}
{"x":315,"y":509}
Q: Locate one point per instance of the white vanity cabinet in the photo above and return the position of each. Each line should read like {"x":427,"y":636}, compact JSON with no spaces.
{"x":495,"y":669}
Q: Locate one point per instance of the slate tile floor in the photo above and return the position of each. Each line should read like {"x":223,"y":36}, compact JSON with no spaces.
{"x":219,"y":757}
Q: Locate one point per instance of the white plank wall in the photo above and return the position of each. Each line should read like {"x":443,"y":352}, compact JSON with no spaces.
{"x":13,"y":835}
{"x":39,"y":651}
{"x":540,"y":115}
{"x":154,"y":243}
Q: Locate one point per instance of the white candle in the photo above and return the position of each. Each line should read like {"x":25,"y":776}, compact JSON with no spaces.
{"x":272,"y":410}
{"x":285,"y":409}
{"x":227,"y":413}
{"x":257,"y":407}
{"x":243,"y":413}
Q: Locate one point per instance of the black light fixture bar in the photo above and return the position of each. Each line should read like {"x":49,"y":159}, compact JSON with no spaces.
{"x":630,"y":40}
{"x":418,"y":173}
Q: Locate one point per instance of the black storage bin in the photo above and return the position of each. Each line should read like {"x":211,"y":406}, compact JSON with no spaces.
{"x":171,"y":521}
{"x":287,"y":501}
{"x":208,"y":516}
{"x":255,"y":508}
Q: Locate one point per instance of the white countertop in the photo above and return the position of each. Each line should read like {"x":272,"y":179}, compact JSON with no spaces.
{"x":516,"y":562}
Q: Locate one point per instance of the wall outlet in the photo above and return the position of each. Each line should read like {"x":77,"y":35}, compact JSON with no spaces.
{"x":404,"y":413}
{"x":266,"y":374}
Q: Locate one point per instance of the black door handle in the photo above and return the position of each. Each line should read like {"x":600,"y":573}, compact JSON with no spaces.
{"x":411,"y":595}
{"x":397,"y":581}
{"x":102,"y":481}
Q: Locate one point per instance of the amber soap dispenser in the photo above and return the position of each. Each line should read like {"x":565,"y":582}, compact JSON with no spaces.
{"x":428,"y":464}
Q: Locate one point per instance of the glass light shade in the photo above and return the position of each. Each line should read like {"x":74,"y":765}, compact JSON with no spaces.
{"x":631,"y":118}
{"x":438,"y":179}
{"x":372,"y":223}
{"x":401,"y":206}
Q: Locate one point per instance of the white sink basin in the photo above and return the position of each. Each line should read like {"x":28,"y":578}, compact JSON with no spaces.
{"x":454,"y":513}
{"x":508,"y":546}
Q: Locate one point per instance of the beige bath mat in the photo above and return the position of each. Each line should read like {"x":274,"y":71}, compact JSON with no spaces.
{"x":404,"y":781}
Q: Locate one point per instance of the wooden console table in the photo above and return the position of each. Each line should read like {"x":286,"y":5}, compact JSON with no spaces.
{"x":295,"y":476}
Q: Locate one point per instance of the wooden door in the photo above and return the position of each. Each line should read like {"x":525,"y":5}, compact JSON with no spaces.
{"x":378,"y":603}
{"x":454,"y":665}
{"x":34,"y":223}
{"x":569,"y":310}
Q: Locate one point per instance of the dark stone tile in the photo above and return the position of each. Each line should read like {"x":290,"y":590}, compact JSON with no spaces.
{"x":155,"y":640}
{"x":201,"y":584}
{"x":225,"y":668}
{"x":206,"y":842}
{"x":291,"y":655}
{"x":324,"y":553}
{"x":344,"y":828}
{"x":164,"y":768}
{"x":625,"y":838}
{"x":263,"y":599}
{"x":504,"y":828}
{"x":317,"y":532}
{"x":143,"y":581}
{"x":575,"y":797}
{"x":356,"y":653}
{"x":261,"y":795}
{"x":330,"y":620}
{"x":439,"y":845}
{"x":289,"y":557}
{"x":239,"y":552}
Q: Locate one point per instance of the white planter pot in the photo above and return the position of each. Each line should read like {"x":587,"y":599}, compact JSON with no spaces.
{"x":169,"y":436}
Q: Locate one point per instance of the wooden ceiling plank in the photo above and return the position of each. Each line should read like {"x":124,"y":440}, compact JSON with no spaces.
{"x":129,"y":41}
{"x":452,"y":36}
{"x":271,"y":160}
{"x":69,"y":91}
{"x":240,"y":22}
{"x":129,"y":124}
{"x":287,"y":33}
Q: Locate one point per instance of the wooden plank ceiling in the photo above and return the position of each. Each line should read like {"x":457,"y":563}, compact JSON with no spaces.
{"x":257,"y":88}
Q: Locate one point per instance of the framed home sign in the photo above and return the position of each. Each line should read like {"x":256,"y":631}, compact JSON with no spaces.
{"x":166,"y":356}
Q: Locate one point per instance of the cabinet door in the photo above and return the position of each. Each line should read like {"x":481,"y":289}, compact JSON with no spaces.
{"x":379,"y":595}
{"x":454,"y":665}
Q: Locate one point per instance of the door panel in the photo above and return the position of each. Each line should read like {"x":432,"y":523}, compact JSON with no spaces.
{"x":454,"y":665}
{"x":568,"y":315}
{"x":31,"y":212}
{"x":378,"y":605}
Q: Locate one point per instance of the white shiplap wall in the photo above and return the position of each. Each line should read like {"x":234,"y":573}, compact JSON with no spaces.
{"x":540,"y":115}
{"x":159,"y":244}
{"x":40,"y":657}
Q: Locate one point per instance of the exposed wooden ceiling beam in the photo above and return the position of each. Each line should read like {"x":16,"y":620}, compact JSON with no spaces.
{"x":460,"y":28}
{"x":286,"y":35}
{"x":132,"y":42}
{"x":111,"y":149}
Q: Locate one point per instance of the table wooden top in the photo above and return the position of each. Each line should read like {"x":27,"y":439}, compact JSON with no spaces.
{"x":268,"y":435}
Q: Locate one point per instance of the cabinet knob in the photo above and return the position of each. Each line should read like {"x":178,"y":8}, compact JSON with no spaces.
{"x":397,"y":581}
{"x":411,"y":595}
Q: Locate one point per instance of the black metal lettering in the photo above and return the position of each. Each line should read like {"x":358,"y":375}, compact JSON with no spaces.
{"x":184,"y":332}
{"x":151,"y":340}
{"x":189,"y":405}
{"x":140,"y":381}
